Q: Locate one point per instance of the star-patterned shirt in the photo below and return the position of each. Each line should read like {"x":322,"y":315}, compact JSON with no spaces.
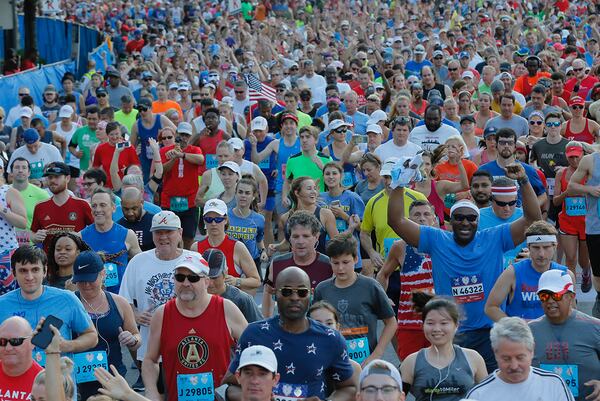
{"x":306,"y":360}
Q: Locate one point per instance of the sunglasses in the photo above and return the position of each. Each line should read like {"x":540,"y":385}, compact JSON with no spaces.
{"x":340,"y":130}
{"x":15,"y":342}
{"x":553,"y":124}
{"x":545,"y":296}
{"x":577,"y":69}
{"x":461,"y":217}
{"x":101,"y":95}
{"x":196,"y":100}
{"x":142,"y":108}
{"x":167,"y":137}
{"x":192,"y":278}
{"x":538,"y":122}
{"x":452,"y":69}
{"x":287,"y":292}
{"x":503,"y":204}
{"x":23,"y":94}
{"x":239,"y":92}
{"x":577,"y":107}
{"x":217,"y":220}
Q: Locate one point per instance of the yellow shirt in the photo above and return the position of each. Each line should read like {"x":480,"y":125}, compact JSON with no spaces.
{"x":517,"y":108}
{"x":375,"y":218}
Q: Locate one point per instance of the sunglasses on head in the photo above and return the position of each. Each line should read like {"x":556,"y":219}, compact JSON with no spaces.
{"x":545,"y":296}
{"x":461,"y":217}
{"x":15,"y":342}
{"x":214,"y":219}
{"x":538,"y":122}
{"x":553,"y":124}
{"x":192,"y":278}
{"x":287,"y":292}
{"x":503,"y":204}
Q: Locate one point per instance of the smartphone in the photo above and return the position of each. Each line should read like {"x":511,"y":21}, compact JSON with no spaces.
{"x":122,"y":145}
{"x":43,"y":338}
{"x":335,"y":203}
{"x":358,"y":138}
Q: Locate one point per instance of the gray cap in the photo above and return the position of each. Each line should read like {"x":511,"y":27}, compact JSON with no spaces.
{"x":497,"y":86}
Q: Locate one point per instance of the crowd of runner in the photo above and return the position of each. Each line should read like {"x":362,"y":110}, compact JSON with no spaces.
{"x":260,"y":202}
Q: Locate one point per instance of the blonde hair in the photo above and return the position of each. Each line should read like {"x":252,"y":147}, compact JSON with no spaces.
{"x":66,"y":368}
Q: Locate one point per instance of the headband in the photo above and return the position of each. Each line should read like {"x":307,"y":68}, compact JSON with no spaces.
{"x":536,"y":239}
{"x":464,"y":203}
{"x":500,"y":191}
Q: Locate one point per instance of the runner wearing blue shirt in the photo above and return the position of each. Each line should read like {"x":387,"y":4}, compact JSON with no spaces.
{"x":466,"y":263}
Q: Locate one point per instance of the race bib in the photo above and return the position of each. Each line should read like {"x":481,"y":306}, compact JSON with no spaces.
{"x":466,"y":289}
{"x":358,"y":349}
{"x":86,"y":363}
{"x":39,"y":356}
{"x":341,"y":225}
{"x":179,"y":204}
{"x":195,"y":387}
{"x":37,"y":170}
{"x":387,"y":245}
{"x":575,"y":206}
{"x":149,"y":152}
{"x":290,"y":392}
{"x":112,"y":275}
{"x":551,"y":182}
{"x":569,"y":374}
{"x":348,"y":179}
{"x":265,"y":163}
{"x":211,"y":161}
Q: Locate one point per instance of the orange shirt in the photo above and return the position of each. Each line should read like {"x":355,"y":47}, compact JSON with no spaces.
{"x":162,"y":107}
{"x":523,"y":87}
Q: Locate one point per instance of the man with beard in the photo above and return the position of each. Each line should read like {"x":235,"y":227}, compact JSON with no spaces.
{"x":62,"y":212}
{"x":507,"y":119}
{"x":481,"y":188}
{"x":457,"y":256}
{"x":136,"y":218}
{"x":433,"y":133}
{"x":192,"y":323}
{"x":309,"y":353}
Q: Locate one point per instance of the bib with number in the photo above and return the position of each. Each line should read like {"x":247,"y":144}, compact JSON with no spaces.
{"x":569,"y":374}
{"x":195,"y":387}
{"x":358,"y":349}
{"x":265,"y":163}
{"x":211,"y":161}
{"x":37,"y":170}
{"x":149,"y":152}
{"x":290,"y":392}
{"x":387,"y":245}
{"x":179,"y":204}
{"x":575,"y":206}
{"x":551,"y":183}
{"x":341,"y":225}
{"x":466,"y":289}
{"x":39,"y":356}
{"x":86,"y":363}
{"x":112,"y":275}
{"x":348,"y":179}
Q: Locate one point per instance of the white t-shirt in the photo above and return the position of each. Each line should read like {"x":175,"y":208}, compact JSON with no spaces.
{"x":239,"y":107}
{"x":39,"y":160}
{"x":148,"y":283}
{"x":541,"y":385}
{"x":429,"y":140}
{"x":390,"y":149}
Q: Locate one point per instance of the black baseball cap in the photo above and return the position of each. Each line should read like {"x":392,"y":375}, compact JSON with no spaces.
{"x":87,"y":266}
{"x":57,"y":168}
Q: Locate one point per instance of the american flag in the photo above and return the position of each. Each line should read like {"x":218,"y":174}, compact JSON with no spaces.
{"x":257,"y":90}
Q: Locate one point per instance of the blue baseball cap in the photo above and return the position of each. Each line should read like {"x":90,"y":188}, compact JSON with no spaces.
{"x":30,"y":136}
{"x":523,"y":51}
{"x":87,"y":266}
{"x":464,"y":55}
{"x":489,"y":131}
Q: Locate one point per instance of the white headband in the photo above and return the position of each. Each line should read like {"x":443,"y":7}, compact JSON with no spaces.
{"x":500,"y":191}
{"x":464,"y":203}
{"x":535,"y":239}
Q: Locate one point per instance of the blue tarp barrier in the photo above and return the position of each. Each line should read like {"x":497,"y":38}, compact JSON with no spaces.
{"x":96,"y":55}
{"x":54,"y":39}
{"x":88,"y":41}
{"x":35,"y":80}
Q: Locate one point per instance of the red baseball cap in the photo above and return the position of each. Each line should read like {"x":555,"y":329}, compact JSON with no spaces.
{"x":289,"y":116}
{"x":574,"y":151}
{"x":576,"y":100}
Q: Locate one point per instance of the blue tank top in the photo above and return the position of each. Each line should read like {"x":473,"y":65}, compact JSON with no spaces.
{"x":282,"y":157}
{"x":268,"y":164}
{"x":526,"y":303}
{"x":112,"y":244}
{"x":144,"y":134}
{"x":349,"y":178}
{"x":592,"y":217}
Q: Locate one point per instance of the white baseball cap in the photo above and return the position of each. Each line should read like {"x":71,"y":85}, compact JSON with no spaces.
{"x":378,"y":115}
{"x":26,"y":112}
{"x":233,"y":166}
{"x":237,"y":143}
{"x":184,"y":128}
{"x":556,"y":281}
{"x":259,"y":123}
{"x":374,"y":128}
{"x":258,"y":355}
{"x":194,"y":262}
{"x":65,"y":112}
{"x":165,"y":220}
{"x":215,"y":205}
{"x":335,"y":124}
{"x":468,"y":74}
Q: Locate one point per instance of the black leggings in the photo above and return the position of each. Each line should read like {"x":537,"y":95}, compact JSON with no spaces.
{"x":593,"y":244}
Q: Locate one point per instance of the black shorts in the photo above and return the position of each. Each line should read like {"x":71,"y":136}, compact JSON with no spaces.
{"x":74,"y":172}
{"x":593,"y":244}
{"x":189,"y":222}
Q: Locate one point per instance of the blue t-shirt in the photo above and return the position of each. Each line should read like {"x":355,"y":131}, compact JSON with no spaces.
{"x":414,"y":68}
{"x":351,"y":204}
{"x":496,"y":171}
{"x":359,"y":121}
{"x":306,"y":361}
{"x":467,"y":273}
{"x":488,"y":219}
{"x":248,"y":230}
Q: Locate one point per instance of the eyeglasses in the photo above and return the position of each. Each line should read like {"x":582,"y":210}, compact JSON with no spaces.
{"x":217,"y":220}
{"x":506,"y":143}
{"x":504,"y":204}
{"x":89,"y":184}
{"x":545,"y":296}
{"x":438,"y":57}
{"x":537,"y":122}
{"x":15,"y":342}
{"x":287,"y":292}
{"x":553,"y":124}
{"x":452,"y":69}
{"x":578,"y":69}
{"x":577,"y":107}
{"x":461,"y":217}
{"x":192,"y":278}
{"x":142,"y":108}
{"x":371,"y":391}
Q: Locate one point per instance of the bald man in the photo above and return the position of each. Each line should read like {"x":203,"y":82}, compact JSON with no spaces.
{"x":309,"y":354}
{"x":17,"y":367}
{"x":135,"y":217}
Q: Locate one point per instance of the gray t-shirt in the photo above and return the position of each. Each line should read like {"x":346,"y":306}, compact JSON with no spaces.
{"x":571,"y":350}
{"x":517,"y":123}
{"x":359,"y":306}
{"x":548,"y":156}
{"x":244,"y":302}
{"x":362,"y":189}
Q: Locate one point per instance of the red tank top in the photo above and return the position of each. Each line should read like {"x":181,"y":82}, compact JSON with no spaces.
{"x":227,"y":247}
{"x":437,"y":203}
{"x":195,"y":345}
{"x":563,"y":188}
{"x":208,"y":144}
{"x":584,"y":136}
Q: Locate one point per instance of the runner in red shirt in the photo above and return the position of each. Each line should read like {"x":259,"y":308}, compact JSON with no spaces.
{"x":209,"y":138}
{"x":104,"y":152}
{"x":62,"y":212}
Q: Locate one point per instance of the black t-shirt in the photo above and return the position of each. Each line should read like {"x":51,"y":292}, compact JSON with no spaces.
{"x":142,"y":230}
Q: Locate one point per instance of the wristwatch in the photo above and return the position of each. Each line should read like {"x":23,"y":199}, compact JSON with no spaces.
{"x":238,"y":282}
